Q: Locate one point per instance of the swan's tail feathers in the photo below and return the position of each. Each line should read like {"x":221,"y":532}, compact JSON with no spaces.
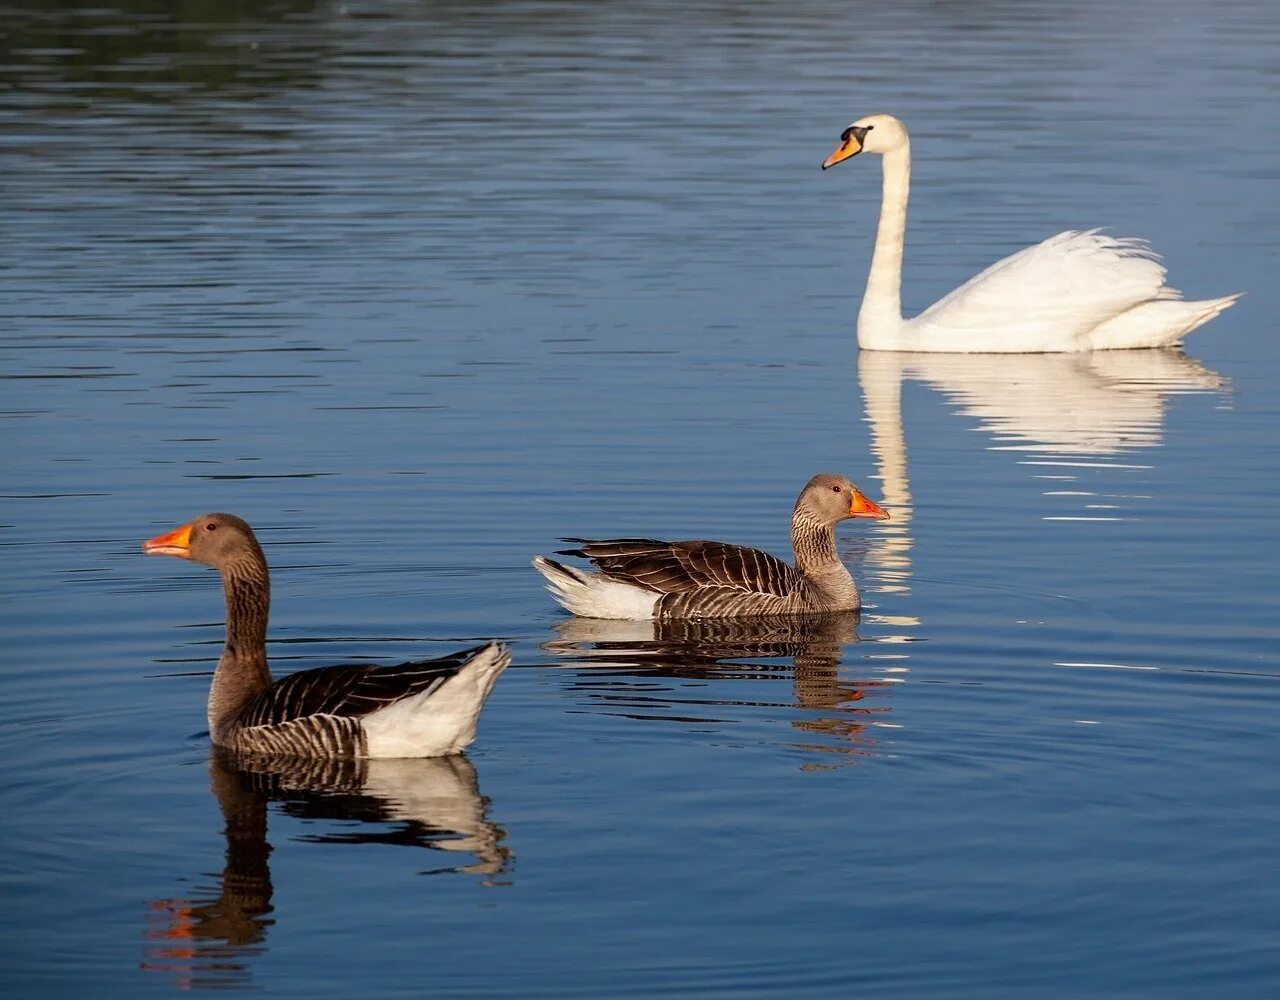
{"x":1196,"y":314}
{"x":1160,"y":322}
{"x":1214,"y":306}
{"x":592,"y":595}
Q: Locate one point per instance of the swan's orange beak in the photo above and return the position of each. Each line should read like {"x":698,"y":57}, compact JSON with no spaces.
{"x":860,"y":506}
{"x":172,"y":543}
{"x":849,"y":146}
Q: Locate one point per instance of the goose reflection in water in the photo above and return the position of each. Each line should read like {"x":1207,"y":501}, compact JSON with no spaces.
{"x":624,"y":661}
{"x":433,"y":803}
{"x":1067,"y":410}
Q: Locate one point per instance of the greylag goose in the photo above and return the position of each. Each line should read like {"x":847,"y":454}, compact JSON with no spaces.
{"x":422,"y":709}
{"x":642,"y":578}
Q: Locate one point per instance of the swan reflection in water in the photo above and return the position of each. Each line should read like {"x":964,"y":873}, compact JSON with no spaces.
{"x":725,"y":664}
{"x":1068,"y":410}
{"x":431,"y":803}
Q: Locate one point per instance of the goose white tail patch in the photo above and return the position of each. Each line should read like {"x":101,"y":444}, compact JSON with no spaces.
{"x":590,"y":595}
{"x":442,"y":719}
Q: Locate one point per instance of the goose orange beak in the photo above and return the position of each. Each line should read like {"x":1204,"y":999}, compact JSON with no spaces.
{"x":172,"y":543}
{"x":860,"y":506}
{"x":849,"y":147}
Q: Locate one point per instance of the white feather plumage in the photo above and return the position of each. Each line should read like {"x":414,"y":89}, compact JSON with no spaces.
{"x":440,"y":720}
{"x":592,"y":595}
{"x":1076,"y":291}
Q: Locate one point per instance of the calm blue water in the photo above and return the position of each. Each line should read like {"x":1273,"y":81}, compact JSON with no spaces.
{"x":417,"y":289}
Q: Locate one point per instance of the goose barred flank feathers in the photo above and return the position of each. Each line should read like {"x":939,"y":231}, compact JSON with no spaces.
{"x":682,"y":567}
{"x":317,"y":713}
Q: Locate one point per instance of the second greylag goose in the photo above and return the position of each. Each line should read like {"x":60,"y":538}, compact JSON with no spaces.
{"x":642,"y":578}
{"x":422,"y":709}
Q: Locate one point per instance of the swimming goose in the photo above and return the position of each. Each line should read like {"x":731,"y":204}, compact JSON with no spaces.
{"x":422,"y":709}
{"x":642,"y":578}
{"x":1077,"y":291}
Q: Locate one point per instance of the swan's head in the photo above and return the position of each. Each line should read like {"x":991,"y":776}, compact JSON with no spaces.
{"x":217,"y":540}
{"x":828,"y":498}
{"x":872,"y":134}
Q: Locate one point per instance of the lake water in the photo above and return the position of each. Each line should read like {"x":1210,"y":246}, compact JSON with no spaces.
{"x":417,"y":289}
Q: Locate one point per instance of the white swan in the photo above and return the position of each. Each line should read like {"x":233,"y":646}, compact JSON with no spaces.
{"x":1077,"y":291}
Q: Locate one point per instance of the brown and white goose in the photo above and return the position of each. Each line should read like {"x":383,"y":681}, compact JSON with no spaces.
{"x":642,"y":578}
{"x":422,"y":709}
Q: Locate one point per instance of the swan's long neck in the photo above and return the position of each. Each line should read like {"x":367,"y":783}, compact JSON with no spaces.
{"x":814,"y":544}
{"x":881,"y":312}
{"x":242,"y":671}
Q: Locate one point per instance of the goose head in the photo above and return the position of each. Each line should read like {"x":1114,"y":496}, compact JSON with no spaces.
{"x":216,"y":540}
{"x":828,"y":498}
{"x":872,"y":134}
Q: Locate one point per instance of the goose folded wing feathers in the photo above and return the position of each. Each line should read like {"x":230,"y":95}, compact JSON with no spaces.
{"x":687,"y":567}
{"x":350,"y":691}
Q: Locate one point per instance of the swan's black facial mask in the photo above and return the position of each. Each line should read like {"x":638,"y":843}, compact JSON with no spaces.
{"x":851,"y":140}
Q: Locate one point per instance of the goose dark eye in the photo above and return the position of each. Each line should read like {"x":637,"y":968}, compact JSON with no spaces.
{"x":211,"y":527}
{"x":835,"y":489}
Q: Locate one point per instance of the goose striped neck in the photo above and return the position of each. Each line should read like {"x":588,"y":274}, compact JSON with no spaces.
{"x":242,"y":671}
{"x":813,"y":542}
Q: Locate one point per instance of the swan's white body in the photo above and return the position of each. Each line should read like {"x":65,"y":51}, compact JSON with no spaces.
{"x":1077,"y":291}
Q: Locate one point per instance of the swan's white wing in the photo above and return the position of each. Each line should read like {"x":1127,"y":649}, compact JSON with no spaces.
{"x":1047,"y":297}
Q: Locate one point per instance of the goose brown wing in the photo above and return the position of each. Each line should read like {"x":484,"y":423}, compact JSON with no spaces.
{"x":685,"y":567}
{"x":350,"y":691}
